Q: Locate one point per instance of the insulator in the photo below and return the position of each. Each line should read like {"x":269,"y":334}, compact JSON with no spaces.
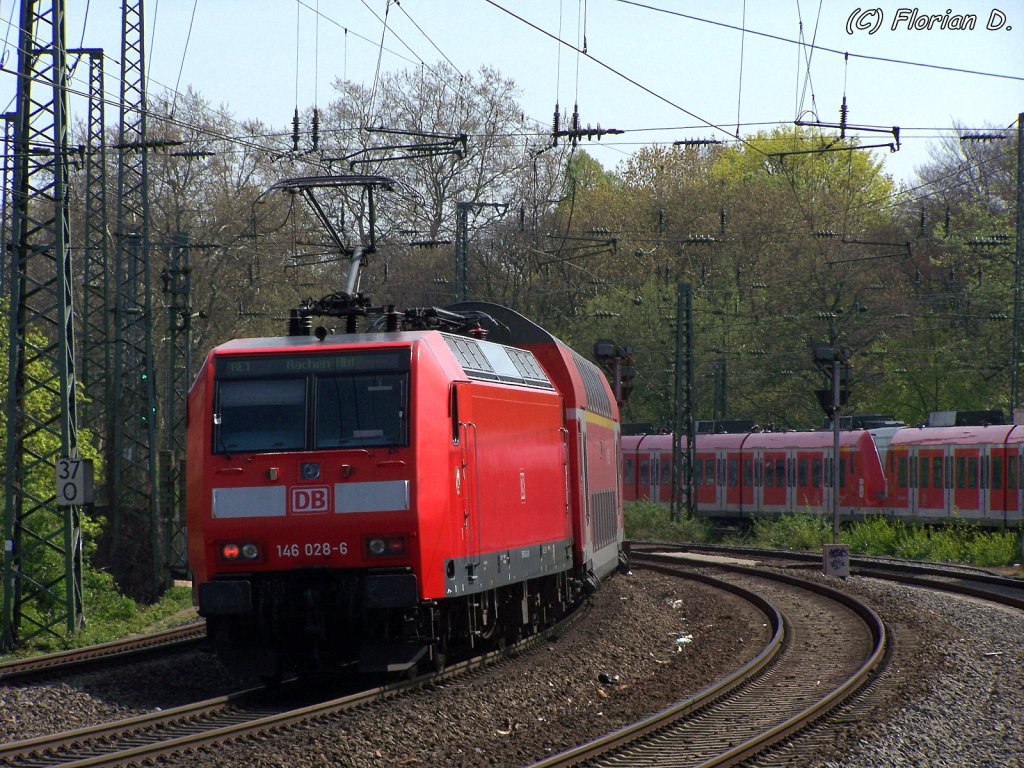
{"x":295,"y":131}
{"x":316,"y":128}
{"x":555,"y":123}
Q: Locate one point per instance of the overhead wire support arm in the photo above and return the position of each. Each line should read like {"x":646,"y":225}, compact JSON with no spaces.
{"x":843,"y":126}
{"x":438,"y":145}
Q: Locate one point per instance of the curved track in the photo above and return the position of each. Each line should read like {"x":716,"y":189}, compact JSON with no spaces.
{"x":117,"y":652}
{"x":826,"y":647}
{"x":156,"y":735}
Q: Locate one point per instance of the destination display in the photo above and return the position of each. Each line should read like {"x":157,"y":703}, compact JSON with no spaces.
{"x":258,"y":366}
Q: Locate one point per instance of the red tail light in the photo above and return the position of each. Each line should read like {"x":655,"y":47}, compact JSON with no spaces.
{"x":239,"y":552}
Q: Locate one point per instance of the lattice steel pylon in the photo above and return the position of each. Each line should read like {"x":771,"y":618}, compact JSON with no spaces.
{"x":10,"y":119}
{"x":96,"y":304}
{"x":136,"y":547}
{"x":42,"y":576}
{"x":684,"y":497}
{"x":177,"y":280}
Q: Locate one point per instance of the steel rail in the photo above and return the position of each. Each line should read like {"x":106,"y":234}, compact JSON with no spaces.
{"x":767,"y":738}
{"x":186,"y":716}
{"x":118,"y":650}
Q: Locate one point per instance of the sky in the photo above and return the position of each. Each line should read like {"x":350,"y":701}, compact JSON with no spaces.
{"x":662,"y":71}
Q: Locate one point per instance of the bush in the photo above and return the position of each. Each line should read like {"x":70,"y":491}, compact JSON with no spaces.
{"x":646,"y":521}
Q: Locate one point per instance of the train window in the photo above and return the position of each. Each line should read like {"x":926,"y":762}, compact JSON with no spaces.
{"x":748,"y":472}
{"x":1011,"y":474}
{"x":972,"y":471}
{"x":769,"y":473}
{"x":922,"y":475}
{"x":816,"y":473}
{"x":936,"y":472}
{"x":780,"y":472}
{"x":666,"y":471}
{"x":362,"y":410}
{"x":961,"y":472}
{"x":997,"y":473}
{"x":260,"y":415}
{"x":645,"y":472}
{"x":901,"y":472}
{"x":802,"y":473}
{"x":709,"y":472}
{"x":734,"y":472}
{"x":842,"y":470}
{"x":454,"y":408}
{"x":628,"y":467}
{"x":698,"y":472}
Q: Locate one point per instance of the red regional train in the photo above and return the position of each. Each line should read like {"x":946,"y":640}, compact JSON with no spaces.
{"x":391,"y":498}
{"x":924,"y":474}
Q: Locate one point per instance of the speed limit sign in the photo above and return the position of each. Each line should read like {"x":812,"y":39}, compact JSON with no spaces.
{"x":74,"y":482}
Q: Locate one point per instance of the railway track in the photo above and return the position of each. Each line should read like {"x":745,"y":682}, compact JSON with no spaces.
{"x":956,"y":579}
{"x":162,"y":734}
{"x":125,"y":651}
{"x":825,"y":646}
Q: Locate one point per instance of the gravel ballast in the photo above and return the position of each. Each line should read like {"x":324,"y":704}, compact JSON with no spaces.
{"x":950,"y":698}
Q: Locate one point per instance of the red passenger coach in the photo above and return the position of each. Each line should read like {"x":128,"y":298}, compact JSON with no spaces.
{"x":393,"y":497}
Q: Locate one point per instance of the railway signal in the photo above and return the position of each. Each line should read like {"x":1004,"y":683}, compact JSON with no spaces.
{"x":619,"y":362}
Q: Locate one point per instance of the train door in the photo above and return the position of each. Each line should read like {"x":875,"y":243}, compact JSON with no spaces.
{"x":773,"y":488}
{"x":746,"y":481}
{"x":665,"y":477}
{"x":629,"y":476}
{"x":1015,"y":481}
{"x":705,"y":480}
{"x":931,"y":492}
{"x":466,"y":474}
{"x":995,"y":481}
{"x":733,"y":487}
{"x":966,"y":491}
{"x":809,"y":470}
{"x":643,"y":483}
{"x":756,"y":490}
{"x":1014,"y":489}
{"x":897,"y":469}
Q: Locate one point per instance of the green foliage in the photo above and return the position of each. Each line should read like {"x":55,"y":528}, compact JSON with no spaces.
{"x":958,"y":542}
{"x":646,"y":521}
{"x":797,"y":531}
{"x":112,"y":616}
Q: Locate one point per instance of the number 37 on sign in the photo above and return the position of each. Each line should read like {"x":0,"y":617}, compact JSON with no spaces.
{"x":74,"y":482}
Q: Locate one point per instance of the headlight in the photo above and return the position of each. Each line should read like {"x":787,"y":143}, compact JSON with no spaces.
{"x":389,"y":546}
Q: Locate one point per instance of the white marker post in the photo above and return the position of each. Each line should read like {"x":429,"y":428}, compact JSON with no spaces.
{"x":74,"y":482}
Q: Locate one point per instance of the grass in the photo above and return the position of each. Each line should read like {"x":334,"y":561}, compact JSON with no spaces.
{"x":110,"y":615}
{"x":959,"y":542}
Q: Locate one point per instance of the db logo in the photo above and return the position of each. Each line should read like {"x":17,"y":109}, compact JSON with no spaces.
{"x":316,"y":498}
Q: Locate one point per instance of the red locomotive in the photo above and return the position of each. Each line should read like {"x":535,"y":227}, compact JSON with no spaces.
{"x":393,"y":497}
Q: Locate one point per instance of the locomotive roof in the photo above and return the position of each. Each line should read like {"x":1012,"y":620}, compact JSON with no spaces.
{"x":306,"y":343}
{"x":478,"y":359}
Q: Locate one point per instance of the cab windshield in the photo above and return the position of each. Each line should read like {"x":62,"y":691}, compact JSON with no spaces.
{"x":292,"y":403}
